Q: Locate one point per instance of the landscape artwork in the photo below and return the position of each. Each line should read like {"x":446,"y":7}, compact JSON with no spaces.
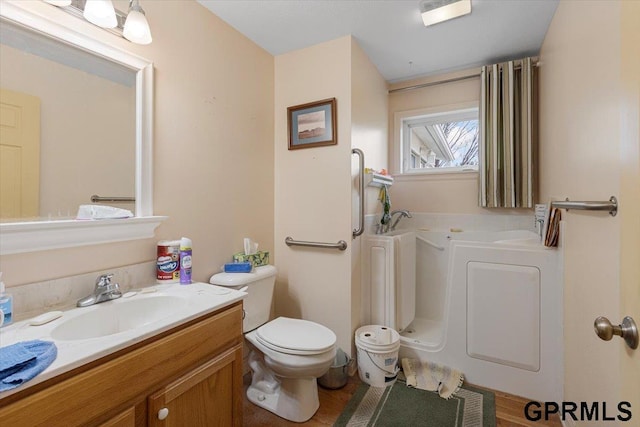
{"x":312,"y":124}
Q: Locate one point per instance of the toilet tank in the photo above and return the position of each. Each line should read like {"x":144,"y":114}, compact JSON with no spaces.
{"x":260,"y":285}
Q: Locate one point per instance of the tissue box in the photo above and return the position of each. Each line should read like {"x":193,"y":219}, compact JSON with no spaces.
{"x":258,"y":259}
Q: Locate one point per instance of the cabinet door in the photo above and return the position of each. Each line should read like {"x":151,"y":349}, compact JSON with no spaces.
{"x":210,"y":395}
{"x":125,"y":418}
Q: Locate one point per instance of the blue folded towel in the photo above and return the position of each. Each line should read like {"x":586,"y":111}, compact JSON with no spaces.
{"x":22,"y":361}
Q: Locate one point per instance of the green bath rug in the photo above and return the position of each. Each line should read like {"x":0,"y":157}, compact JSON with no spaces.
{"x":399,"y":405}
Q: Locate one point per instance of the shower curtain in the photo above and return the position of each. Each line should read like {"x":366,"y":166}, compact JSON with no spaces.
{"x":508,"y":135}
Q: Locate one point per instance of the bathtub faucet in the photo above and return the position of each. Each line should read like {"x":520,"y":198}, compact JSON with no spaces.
{"x":402,"y":214}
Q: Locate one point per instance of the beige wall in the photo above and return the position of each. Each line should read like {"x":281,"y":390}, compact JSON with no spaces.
{"x":213,"y":146}
{"x":312,"y":191}
{"x":315,"y":188}
{"x":369,"y":121}
{"x":369,"y":118}
{"x":75,"y":165}
{"x":438,"y":192}
{"x":589,"y":151}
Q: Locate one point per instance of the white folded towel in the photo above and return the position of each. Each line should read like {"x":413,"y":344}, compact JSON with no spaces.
{"x":102,"y":212}
{"x":432,"y":377}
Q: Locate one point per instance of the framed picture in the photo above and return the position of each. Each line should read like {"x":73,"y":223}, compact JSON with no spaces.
{"x":312,"y":124}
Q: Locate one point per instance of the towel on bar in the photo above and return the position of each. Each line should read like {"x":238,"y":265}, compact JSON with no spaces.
{"x":386,"y":204}
{"x":552,"y":235}
{"x":432,"y":377}
{"x":22,"y":361}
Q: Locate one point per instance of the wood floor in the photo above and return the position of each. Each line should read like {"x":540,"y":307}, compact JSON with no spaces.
{"x":509,"y":409}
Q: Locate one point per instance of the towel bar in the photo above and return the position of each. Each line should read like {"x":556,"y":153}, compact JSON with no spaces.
{"x":611,"y":206}
{"x":95,"y":198}
{"x":342,"y":245}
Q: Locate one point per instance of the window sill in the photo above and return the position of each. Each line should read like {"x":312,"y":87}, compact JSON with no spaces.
{"x":443,"y":175}
{"x":46,"y":235}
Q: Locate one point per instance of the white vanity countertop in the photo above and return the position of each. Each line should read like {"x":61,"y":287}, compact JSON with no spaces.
{"x":196,"y":300}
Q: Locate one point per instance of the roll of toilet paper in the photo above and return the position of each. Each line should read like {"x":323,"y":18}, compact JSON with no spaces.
{"x":368,"y":337}
{"x":384,"y":336}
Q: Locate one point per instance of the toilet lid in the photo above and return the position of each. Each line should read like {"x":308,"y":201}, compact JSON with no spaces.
{"x":296,"y":336}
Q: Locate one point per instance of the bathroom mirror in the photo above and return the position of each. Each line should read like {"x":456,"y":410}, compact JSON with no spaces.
{"x":68,"y":123}
{"x":100,"y":145}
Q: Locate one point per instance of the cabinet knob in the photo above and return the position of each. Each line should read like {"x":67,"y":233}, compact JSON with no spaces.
{"x":163,"y":413}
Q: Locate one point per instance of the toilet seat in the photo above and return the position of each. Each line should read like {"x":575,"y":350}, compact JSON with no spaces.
{"x":296,"y":336}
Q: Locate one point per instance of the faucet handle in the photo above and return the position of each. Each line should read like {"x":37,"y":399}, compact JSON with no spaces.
{"x":104,"y":280}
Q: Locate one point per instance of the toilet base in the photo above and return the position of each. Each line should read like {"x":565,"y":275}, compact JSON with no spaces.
{"x":294,"y":399}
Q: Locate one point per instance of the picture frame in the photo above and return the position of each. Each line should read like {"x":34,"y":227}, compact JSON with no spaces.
{"x":313,"y":124}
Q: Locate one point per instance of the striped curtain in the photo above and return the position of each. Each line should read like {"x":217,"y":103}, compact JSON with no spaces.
{"x":508,"y":131}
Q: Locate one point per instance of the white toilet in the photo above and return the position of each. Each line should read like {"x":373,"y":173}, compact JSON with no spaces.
{"x":288,"y":354}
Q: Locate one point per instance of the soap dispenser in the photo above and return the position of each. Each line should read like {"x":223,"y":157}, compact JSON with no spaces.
{"x":6,"y":305}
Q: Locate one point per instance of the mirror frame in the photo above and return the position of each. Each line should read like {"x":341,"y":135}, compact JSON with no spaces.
{"x":44,"y":235}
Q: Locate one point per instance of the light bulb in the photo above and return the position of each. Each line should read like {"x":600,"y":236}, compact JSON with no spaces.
{"x":100,"y":13}
{"x":136,"y":27}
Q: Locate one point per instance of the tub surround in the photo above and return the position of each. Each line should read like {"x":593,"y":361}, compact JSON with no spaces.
{"x":493,"y":310}
{"x":462,"y":222}
{"x":488,"y":298}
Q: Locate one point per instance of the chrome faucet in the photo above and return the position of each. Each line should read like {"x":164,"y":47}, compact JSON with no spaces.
{"x":104,"y":291}
{"x":402,"y":214}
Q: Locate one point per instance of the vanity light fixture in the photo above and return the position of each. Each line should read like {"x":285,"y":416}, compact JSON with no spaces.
{"x":436,"y":11}
{"x":132,"y":25}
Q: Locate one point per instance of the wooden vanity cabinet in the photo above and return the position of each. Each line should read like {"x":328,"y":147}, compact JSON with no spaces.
{"x":180,"y":403}
{"x":126,"y":418}
{"x":188,"y":376}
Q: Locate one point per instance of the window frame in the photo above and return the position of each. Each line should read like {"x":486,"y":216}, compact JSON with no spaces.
{"x":402,"y":145}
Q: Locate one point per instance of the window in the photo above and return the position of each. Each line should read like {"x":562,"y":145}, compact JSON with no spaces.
{"x":443,"y":140}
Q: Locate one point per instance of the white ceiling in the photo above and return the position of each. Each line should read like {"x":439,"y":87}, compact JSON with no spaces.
{"x":391,"y":31}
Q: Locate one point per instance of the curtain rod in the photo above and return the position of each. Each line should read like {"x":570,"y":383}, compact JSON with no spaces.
{"x":451,"y":80}
{"x":439,"y":82}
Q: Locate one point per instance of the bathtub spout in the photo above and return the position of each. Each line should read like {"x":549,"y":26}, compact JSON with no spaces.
{"x":402,"y":214}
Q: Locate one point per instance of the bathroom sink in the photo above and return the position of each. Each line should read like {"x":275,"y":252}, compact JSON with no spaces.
{"x":117,"y":316}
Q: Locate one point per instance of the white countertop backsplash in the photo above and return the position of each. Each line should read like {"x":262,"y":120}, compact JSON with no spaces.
{"x":61,"y":294}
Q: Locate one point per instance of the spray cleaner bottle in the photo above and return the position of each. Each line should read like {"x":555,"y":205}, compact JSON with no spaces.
{"x":6,"y":305}
{"x":185,"y":261}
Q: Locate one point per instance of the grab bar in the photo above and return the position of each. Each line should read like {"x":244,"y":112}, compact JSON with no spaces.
{"x":611,"y":206}
{"x":95,"y":198}
{"x":430,"y":243}
{"x":342,"y":245}
{"x":358,"y":231}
